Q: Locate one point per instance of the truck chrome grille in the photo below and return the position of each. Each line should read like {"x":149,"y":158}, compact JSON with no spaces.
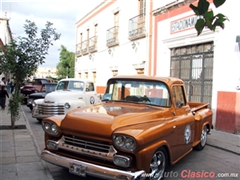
{"x":87,"y":144}
{"x":94,"y":149}
{"x":51,"y":109}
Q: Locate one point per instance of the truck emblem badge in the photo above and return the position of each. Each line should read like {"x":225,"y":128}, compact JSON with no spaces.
{"x":92,"y":100}
{"x":187,"y":134}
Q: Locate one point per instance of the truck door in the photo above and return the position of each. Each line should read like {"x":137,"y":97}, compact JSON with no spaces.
{"x":184,"y":120}
{"x":91,"y":95}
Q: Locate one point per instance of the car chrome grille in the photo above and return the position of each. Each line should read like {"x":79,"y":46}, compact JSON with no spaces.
{"x":51,"y":109}
{"x":87,"y":144}
{"x":92,"y":148}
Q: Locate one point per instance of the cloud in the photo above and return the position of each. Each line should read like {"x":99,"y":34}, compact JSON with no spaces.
{"x":61,"y":13}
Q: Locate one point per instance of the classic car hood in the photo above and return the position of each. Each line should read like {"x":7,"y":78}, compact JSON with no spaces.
{"x":62,"y":95}
{"x":103,"y":119}
{"x":40,"y":94}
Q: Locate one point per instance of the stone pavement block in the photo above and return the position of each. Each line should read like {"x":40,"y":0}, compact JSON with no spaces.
{"x":32,"y":175}
{"x":9,"y":154}
{"x":8,"y":176}
{"x":31,"y":166}
{"x":26,"y":153}
{"x":26,"y":159}
{"x":8,"y":168}
{"x":8,"y":160}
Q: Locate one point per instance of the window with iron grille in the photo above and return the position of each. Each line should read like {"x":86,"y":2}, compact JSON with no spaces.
{"x":194,"y":65}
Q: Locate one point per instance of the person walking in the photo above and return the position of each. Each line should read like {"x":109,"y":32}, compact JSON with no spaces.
{"x":3,"y":95}
{"x":8,"y":86}
{"x":3,"y":82}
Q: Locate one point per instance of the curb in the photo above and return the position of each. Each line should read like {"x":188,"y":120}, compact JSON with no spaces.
{"x":49,"y":175}
{"x":224,"y":149}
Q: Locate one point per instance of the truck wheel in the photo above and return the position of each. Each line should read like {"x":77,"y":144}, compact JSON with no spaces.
{"x":203,"y":140}
{"x":158,"y":165}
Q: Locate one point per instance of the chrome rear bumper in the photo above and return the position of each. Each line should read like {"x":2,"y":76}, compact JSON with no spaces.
{"x":92,"y":169}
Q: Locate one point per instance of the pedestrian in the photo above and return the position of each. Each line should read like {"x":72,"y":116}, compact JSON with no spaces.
{"x":3,"y":95}
{"x":12,"y":86}
{"x":3,"y":82}
{"x":8,"y":86}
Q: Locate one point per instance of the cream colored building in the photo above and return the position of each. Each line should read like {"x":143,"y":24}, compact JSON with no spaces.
{"x":43,"y":72}
{"x":5,"y":36}
{"x":158,"y":38}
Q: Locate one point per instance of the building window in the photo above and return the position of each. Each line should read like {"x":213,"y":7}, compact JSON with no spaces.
{"x":94,"y":76}
{"x":140,"y":71}
{"x":114,"y":72}
{"x":86,"y":75}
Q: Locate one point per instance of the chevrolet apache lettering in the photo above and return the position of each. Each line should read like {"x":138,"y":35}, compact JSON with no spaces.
{"x":69,"y":94}
{"x":142,"y":124}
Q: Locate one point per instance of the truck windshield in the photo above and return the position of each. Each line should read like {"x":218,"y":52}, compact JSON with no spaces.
{"x":148,"y":92}
{"x":70,"y":85}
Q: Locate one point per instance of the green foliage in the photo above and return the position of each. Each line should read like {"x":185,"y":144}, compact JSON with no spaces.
{"x":207,"y":17}
{"x":14,"y":105}
{"x":23,"y":56}
{"x":65,"y":67}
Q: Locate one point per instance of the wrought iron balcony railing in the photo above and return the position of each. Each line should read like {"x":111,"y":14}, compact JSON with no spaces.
{"x":92,"y":44}
{"x":137,"y":27}
{"x":85,"y":47}
{"x":112,"y":36}
{"x":78,"y":49}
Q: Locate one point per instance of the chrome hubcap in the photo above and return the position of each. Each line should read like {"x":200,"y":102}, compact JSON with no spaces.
{"x":204,"y":136}
{"x":157,"y":165}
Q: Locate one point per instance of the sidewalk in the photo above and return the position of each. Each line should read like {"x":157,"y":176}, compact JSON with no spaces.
{"x":20,"y":158}
{"x":19,"y":155}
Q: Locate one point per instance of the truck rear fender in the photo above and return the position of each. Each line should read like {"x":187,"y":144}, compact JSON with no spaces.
{"x":203,"y":117}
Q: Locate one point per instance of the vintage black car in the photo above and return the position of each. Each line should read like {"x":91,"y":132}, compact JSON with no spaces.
{"x":33,"y":87}
{"x":46,"y":88}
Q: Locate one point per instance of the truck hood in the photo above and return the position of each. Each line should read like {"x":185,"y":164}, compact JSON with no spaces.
{"x":63,"y":95}
{"x":103,"y":119}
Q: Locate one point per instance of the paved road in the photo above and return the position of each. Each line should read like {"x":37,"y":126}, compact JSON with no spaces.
{"x":196,"y":165}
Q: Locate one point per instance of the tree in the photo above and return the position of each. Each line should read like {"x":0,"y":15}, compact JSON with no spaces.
{"x":65,"y":67}
{"x":207,"y":17}
{"x":23,"y":56}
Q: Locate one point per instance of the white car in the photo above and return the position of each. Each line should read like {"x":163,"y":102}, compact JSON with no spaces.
{"x":70,"y":94}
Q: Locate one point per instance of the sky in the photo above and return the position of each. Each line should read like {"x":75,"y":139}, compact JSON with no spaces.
{"x":61,"y":13}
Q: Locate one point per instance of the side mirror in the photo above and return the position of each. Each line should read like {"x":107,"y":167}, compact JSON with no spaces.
{"x":179,"y":104}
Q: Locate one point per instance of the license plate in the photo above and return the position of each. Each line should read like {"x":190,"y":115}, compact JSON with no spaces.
{"x":77,"y":169}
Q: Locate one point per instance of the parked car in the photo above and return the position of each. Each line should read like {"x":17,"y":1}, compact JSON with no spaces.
{"x":70,"y":94}
{"x":142,"y":124}
{"x":46,"y":88}
{"x":35,"y":86}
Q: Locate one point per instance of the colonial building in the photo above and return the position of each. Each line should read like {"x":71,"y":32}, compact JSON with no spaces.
{"x":43,"y":72}
{"x":159,"y":38}
{"x":5,"y":38}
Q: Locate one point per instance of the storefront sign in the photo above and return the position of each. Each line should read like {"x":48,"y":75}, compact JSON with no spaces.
{"x":183,"y":24}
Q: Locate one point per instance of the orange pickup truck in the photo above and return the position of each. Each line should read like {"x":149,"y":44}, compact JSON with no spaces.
{"x":142,"y":125}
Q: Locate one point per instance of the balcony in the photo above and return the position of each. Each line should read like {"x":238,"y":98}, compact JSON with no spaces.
{"x":85,"y":47}
{"x":92,"y":44}
{"x":137,"y":27}
{"x":112,"y":36}
{"x":78,"y":50}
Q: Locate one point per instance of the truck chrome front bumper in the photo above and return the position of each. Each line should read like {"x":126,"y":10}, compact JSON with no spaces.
{"x":92,"y":169}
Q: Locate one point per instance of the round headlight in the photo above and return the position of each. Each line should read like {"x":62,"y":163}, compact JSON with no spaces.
{"x":119,"y":140}
{"x":46,"y":126}
{"x":125,"y":142}
{"x":34,"y":104}
{"x":130,"y":144}
{"x":50,"y":128}
{"x":67,"y":105}
{"x":54,"y":128}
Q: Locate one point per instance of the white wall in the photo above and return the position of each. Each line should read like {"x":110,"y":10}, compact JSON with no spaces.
{"x":123,"y":56}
